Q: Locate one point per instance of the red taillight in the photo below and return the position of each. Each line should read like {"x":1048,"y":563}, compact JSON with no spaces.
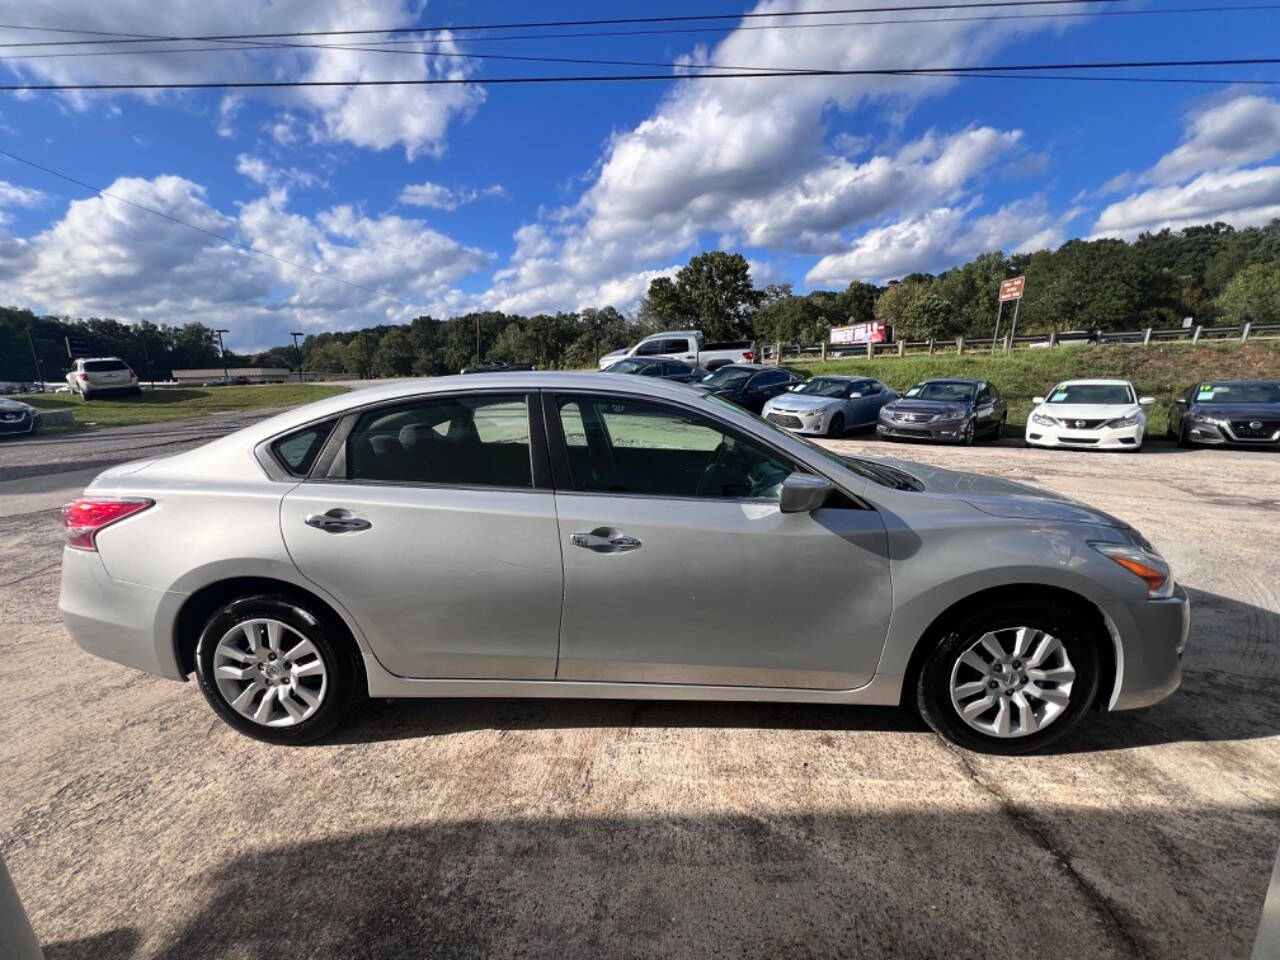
{"x":83,"y":376}
{"x":748,"y":356}
{"x":83,"y":518}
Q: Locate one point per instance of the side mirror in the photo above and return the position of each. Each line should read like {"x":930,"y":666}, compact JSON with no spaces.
{"x":1146,"y":401}
{"x":855,"y":395}
{"x":1037,"y":400}
{"x":804,"y":493}
{"x":792,"y":386}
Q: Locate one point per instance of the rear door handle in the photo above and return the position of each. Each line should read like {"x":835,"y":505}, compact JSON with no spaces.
{"x":337,"y":520}
{"x":604,"y":540}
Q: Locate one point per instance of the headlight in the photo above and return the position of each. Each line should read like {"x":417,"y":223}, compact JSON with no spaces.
{"x":1044,"y":421}
{"x":1205,"y":418}
{"x":1132,"y":420}
{"x":950,"y":415}
{"x":886,"y":413}
{"x":1147,"y":565}
{"x":816,"y":414}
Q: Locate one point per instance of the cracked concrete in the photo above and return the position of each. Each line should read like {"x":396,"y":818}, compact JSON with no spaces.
{"x":137,"y":826}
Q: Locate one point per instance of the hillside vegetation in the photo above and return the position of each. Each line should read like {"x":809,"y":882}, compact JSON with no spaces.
{"x":180,"y":403}
{"x":1160,"y":371}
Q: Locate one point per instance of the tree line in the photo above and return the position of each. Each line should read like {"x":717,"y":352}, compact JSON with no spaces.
{"x":1213,"y":273}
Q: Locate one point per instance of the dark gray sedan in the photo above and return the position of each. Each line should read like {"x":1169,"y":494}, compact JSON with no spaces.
{"x":663,"y":368}
{"x":18,"y":417}
{"x":945,"y":411}
{"x":1228,"y":411}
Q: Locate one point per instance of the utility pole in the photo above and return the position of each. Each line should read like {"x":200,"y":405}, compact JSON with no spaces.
{"x":146,"y":356}
{"x":35,"y":361}
{"x":478,"y":357}
{"x":226,"y":375}
{"x":298,"y":351}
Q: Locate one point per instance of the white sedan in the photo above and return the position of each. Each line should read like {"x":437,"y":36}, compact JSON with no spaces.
{"x":1089,"y":415}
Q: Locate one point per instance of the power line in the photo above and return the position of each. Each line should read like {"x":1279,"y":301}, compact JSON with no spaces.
{"x":247,"y":248}
{"x":417,"y":46}
{"x":613,"y":21}
{"x":722,"y":74}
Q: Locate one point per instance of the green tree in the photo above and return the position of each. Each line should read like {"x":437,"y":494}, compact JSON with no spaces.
{"x":1253,"y":295}
{"x":928,"y":317}
{"x":394,"y":356}
{"x":712,"y":293}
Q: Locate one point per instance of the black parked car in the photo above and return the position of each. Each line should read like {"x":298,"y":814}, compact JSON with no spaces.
{"x":949,"y":411}
{"x":18,"y":417}
{"x":659,"y":367}
{"x":496,"y":366}
{"x":1227,"y":411}
{"x":749,"y":385}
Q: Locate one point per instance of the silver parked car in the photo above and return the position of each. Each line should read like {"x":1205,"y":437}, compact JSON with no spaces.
{"x":829,"y":405}
{"x":515,"y":535}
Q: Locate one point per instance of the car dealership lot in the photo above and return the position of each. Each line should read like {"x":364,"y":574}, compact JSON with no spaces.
{"x":135,"y":824}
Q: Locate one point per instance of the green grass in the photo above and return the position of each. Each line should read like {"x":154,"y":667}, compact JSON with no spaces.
{"x":1161,"y":370}
{"x":180,"y":403}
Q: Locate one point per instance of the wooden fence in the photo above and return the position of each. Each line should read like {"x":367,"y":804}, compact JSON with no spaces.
{"x":960,"y":345}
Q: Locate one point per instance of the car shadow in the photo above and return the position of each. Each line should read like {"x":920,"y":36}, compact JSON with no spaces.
{"x":1227,"y":694}
{"x":767,"y":882}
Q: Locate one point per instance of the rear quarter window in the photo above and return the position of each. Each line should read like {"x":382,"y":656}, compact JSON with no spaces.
{"x":298,"y":451}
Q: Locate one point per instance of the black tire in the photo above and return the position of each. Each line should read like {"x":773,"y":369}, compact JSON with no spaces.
{"x":344,"y":672}
{"x":998,"y":432}
{"x":836,"y":427}
{"x":969,"y":432}
{"x":1184,"y":440}
{"x":933,"y":685}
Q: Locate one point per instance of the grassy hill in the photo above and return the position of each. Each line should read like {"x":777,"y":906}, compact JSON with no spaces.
{"x":1159,"y":370}
{"x":180,"y":403}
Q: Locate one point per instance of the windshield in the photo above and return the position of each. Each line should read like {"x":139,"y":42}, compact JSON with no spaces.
{"x":1091,"y":393}
{"x":941,"y":390}
{"x":823,"y":387}
{"x":728,"y":377}
{"x":625,"y":366}
{"x":879,"y":473}
{"x":1238,"y":393}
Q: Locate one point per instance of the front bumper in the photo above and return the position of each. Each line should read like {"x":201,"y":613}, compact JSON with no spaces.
{"x":938,"y":431}
{"x":24,"y":424}
{"x":119,"y":621}
{"x":1104,"y":438}
{"x":1218,"y":434}
{"x":800,"y":422}
{"x":1149,"y":637}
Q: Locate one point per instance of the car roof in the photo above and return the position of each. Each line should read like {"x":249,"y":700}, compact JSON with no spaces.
{"x":972,"y":383}
{"x":1240,"y":383}
{"x":1095,"y":383}
{"x":92,"y":359}
{"x":847,"y":377}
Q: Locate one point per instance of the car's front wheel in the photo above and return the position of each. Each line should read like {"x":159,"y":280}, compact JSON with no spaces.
{"x":1010,"y":678}
{"x":836,"y":427}
{"x":275,"y":670}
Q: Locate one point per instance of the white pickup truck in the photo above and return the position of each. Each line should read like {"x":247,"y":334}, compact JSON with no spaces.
{"x":95,"y":376}
{"x":689,"y":346}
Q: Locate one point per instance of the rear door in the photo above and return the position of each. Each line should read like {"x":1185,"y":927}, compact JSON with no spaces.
{"x":428,"y":526}
{"x":680,"y":568}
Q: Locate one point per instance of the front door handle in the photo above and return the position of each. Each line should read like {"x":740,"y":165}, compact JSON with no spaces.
{"x":604,"y":540}
{"x":337,"y":520}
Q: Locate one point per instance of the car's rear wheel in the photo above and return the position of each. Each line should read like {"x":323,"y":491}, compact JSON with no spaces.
{"x":836,"y":427}
{"x":275,"y":670}
{"x":1010,"y":678}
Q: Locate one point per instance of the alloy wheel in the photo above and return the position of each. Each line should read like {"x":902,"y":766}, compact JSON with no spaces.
{"x":1012,"y":682}
{"x":268,"y":672}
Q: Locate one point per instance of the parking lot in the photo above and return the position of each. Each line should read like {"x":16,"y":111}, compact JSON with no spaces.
{"x":137,"y":825}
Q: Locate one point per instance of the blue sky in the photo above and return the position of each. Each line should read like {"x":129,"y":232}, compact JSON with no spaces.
{"x":547,"y":197}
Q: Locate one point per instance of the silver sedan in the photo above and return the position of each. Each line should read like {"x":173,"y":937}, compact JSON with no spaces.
{"x":829,"y":405}
{"x":560,"y":535}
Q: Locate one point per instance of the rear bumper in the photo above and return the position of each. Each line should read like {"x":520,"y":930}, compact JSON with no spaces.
{"x":115,"y":620}
{"x":1150,"y":637}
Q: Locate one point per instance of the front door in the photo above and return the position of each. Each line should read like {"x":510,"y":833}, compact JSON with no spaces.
{"x":434,"y":538}
{"x":680,"y":568}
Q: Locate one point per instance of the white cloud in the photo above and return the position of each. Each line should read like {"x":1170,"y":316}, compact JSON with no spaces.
{"x":1243,"y":130}
{"x":938,"y":239}
{"x":14,"y":196}
{"x":1240,"y":197}
{"x":416,"y":118}
{"x":263,"y":173}
{"x":107,"y":258}
{"x":444,"y":198}
{"x":750,"y":159}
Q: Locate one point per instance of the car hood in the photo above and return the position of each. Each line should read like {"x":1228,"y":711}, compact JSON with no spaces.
{"x":14,"y":406}
{"x":1087,"y":411}
{"x":802,"y":401}
{"x":1006,"y":498}
{"x":1239,"y":411}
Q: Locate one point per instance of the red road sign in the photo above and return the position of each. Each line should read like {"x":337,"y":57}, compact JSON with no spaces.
{"x":1012,"y":289}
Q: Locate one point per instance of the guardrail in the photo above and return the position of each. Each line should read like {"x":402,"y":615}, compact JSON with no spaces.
{"x":959,"y":345}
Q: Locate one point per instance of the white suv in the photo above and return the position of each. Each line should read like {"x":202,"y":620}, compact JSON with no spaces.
{"x":98,"y":375}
